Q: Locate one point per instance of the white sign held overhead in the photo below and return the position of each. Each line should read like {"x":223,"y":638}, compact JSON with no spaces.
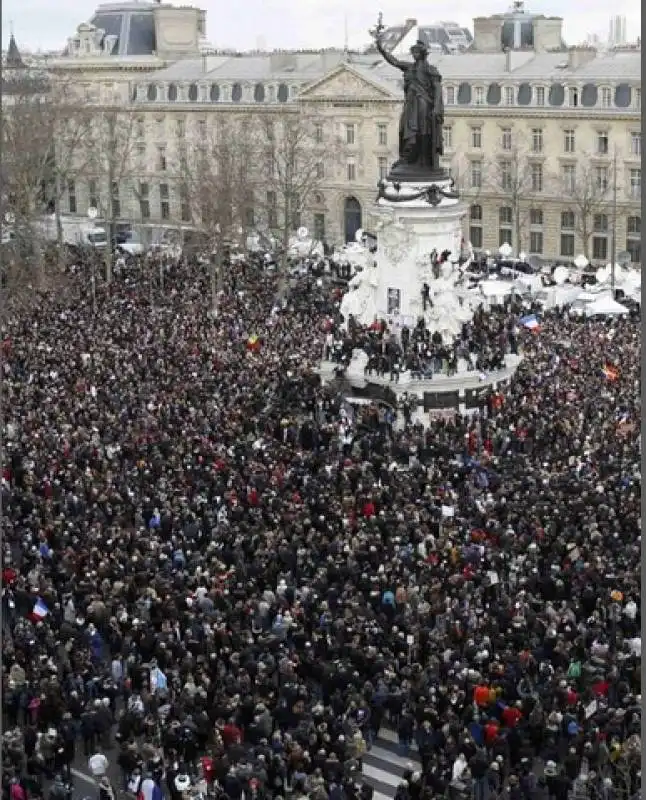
{"x":494,"y":580}
{"x":92,"y":212}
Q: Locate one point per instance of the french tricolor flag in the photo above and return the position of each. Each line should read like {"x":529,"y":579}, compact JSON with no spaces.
{"x":531,"y":323}
{"x":40,"y":610}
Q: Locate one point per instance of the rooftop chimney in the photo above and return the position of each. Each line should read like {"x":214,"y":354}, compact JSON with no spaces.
{"x":580,"y":55}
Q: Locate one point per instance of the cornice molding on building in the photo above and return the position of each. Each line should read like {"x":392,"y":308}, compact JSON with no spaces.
{"x":203,"y":108}
{"x":537,"y":83}
{"x":542,"y":112}
{"x":345,"y":101}
{"x":107,"y":67}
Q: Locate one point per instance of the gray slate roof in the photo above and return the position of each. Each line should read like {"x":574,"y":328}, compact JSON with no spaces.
{"x":477,"y":67}
{"x":470,"y":67}
{"x":307,"y":67}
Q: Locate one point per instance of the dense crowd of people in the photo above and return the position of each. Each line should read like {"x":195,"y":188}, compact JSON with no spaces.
{"x":482,"y":345}
{"x":218,"y":580}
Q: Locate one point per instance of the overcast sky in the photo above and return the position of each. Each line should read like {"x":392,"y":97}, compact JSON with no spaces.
{"x":43,"y":24}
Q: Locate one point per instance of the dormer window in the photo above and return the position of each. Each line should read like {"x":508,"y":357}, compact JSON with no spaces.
{"x":450,"y":95}
{"x":509,"y":95}
{"x":479,"y":95}
{"x":573,"y":97}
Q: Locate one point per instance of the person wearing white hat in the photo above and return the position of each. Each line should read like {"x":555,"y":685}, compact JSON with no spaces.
{"x":98,"y":764}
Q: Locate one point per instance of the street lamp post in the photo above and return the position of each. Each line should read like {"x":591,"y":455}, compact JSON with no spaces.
{"x":92,"y":215}
{"x":613,"y":263}
{"x":214,"y":262}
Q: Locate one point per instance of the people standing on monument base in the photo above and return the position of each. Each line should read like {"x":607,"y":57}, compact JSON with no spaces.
{"x":259,"y":585}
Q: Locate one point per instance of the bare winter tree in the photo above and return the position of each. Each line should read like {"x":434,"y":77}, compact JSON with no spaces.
{"x":289,"y":170}
{"x":514,"y":178}
{"x":214,"y":180}
{"x":43,"y":129}
{"x":588,"y":192}
{"x":110,"y":163}
{"x":72,"y":124}
{"x":28,"y":128}
{"x":214,"y":183}
{"x":469,"y":177}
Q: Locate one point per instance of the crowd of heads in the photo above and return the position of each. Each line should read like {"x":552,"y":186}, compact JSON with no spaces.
{"x":220,"y":576}
{"x":482,"y":345}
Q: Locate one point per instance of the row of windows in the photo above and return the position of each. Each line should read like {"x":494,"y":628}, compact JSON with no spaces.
{"x":600,"y":232}
{"x":598,"y":179}
{"x":143,"y":199}
{"x":537,"y":141}
{"x":508,"y":177}
{"x":600,"y":244}
{"x":601,"y":222}
{"x":351,"y":133}
{"x":351,"y":130}
{"x":557,"y":95}
{"x":511,"y":178}
{"x":215,"y":93}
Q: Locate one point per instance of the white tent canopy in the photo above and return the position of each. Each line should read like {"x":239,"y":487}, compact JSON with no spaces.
{"x":493,"y":288}
{"x":605,"y":306}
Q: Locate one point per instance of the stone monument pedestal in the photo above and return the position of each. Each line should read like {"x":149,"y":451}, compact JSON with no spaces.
{"x":419,"y":240}
{"x":415,"y":218}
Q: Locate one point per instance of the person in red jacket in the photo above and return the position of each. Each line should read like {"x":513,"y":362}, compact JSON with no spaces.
{"x":368,"y":509}
{"x":511,"y":716}
{"x":491,"y":730}
{"x":231,"y":734}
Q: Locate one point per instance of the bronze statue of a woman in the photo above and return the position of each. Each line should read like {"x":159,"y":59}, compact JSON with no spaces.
{"x":420,"y":126}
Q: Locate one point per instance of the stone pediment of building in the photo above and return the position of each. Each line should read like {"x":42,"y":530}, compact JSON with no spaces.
{"x":344,"y":83}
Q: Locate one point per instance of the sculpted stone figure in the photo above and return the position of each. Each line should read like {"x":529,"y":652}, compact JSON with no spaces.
{"x":420,"y":126}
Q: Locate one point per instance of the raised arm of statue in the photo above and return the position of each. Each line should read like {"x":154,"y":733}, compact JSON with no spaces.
{"x":389,"y":57}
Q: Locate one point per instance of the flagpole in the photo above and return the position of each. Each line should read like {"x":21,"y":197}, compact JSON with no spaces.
{"x":614,"y":222}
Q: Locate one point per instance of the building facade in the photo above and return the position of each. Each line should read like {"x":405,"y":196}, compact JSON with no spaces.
{"x":544,"y":142}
